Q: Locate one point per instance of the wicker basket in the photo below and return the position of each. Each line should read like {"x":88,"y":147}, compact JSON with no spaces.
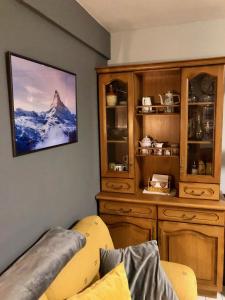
{"x":159,"y":186}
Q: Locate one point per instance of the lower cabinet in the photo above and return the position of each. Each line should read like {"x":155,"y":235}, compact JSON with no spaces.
{"x":193,"y":236}
{"x":200,"y":247}
{"x":126,"y":230}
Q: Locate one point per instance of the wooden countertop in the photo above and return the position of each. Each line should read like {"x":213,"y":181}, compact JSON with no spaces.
{"x":139,"y":197}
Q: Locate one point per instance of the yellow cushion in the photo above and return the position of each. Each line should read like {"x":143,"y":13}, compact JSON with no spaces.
{"x":183,"y":280}
{"x":43,"y":297}
{"x":83,"y":268}
{"x":113,"y":285}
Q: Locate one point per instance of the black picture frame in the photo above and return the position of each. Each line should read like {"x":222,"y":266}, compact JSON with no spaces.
{"x":43,"y":105}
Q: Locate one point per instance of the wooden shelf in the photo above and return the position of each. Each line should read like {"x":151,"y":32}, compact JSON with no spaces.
{"x":112,"y":172}
{"x":204,"y":175}
{"x":158,"y":106}
{"x":117,"y":141}
{"x":154,"y":148}
{"x":116,"y":106}
{"x":201,"y":103}
{"x":156,"y":110}
{"x":200,"y":142}
{"x":156,"y":113}
{"x":138,"y":154}
{"x":153,"y":155}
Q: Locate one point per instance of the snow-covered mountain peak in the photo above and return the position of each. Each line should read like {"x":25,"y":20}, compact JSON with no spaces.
{"x":35,"y":130}
{"x":57,"y":102}
{"x":59,"y":110}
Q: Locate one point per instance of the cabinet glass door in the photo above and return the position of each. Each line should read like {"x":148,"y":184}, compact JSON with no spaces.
{"x":201,"y":117}
{"x":116,"y":136}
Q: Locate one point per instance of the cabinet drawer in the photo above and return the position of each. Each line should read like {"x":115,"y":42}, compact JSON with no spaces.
{"x":128,"y":209}
{"x":191,"y":215}
{"x":199,"y":190}
{"x":118,"y":185}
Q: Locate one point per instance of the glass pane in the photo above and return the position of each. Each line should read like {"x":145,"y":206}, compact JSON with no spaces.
{"x":200,"y":160}
{"x":201,"y":125}
{"x":202,"y":88}
{"x":117,"y":126}
{"x":118,"y":157}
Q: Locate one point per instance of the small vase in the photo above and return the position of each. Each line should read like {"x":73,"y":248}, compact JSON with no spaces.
{"x":111,"y":97}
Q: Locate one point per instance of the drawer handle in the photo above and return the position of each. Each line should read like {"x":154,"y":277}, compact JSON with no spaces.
{"x":198,"y":193}
{"x":125,"y":211}
{"x":194,"y":193}
{"x":116,"y":187}
{"x":186,"y":218}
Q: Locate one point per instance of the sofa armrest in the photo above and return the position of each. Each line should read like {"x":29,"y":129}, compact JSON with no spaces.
{"x":183,"y":280}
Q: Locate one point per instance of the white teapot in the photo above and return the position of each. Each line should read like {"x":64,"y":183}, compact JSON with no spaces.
{"x":146,"y":142}
{"x":169,"y":99}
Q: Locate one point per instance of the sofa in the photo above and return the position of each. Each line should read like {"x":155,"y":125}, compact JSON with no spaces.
{"x":83,"y":269}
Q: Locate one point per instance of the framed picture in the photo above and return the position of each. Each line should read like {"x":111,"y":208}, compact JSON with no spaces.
{"x":43,"y":105}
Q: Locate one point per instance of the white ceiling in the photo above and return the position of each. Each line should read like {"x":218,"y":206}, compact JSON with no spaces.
{"x":119,"y":15}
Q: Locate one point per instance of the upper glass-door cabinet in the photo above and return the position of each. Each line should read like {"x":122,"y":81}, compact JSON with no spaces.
{"x":201,"y":124}
{"x":116,"y":125}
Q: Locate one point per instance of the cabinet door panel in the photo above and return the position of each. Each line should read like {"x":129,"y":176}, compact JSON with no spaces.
{"x":116,"y":126}
{"x":197,"y":246}
{"x":126,"y":231}
{"x":201,"y":123}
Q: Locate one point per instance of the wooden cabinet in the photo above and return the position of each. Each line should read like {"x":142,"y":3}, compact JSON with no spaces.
{"x":201,"y":129}
{"x":200,"y":247}
{"x":126,"y":231}
{"x":129,"y":224}
{"x":190,"y":127}
{"x":187,"y":233}
{"x":188,"y":124}
{"x":116,"y":132}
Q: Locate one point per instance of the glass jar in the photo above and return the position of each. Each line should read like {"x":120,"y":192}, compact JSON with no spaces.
{"x":174,"y":149}
{"x":194,"y":170}
{"x":208,"y":168}
{"x":198,"y":130}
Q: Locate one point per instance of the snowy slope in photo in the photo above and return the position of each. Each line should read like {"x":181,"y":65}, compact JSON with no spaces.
{"x":35,"y":130}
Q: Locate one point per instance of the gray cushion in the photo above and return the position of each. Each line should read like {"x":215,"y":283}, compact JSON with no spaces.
{"x":147,"y":279}
{"x":29,"y":277}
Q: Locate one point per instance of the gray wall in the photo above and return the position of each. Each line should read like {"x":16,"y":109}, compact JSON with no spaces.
{"x":55,"y":186}
{"x":69,"y":15}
